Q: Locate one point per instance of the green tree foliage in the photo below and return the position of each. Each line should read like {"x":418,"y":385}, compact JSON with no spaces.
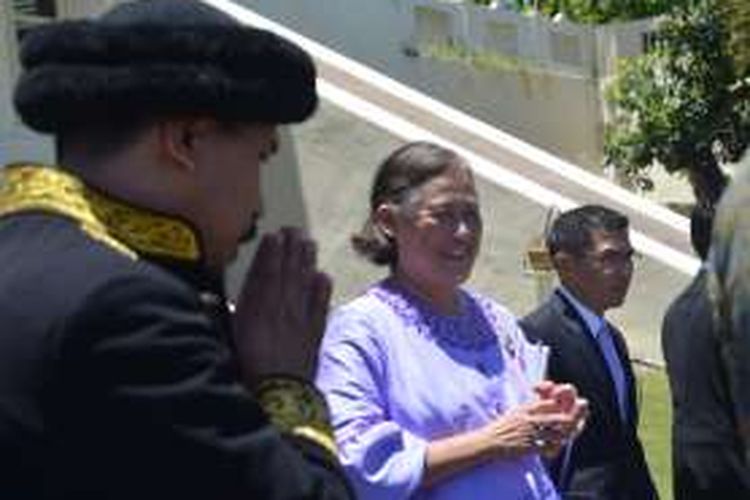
{"x":678,"y":105}
{"x":737,"y":15}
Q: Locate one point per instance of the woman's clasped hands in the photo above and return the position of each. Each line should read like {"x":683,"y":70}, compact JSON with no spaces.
{"x":544,"y":425}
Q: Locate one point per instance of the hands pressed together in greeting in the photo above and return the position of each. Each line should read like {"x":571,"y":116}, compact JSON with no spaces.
{"x":282,"y":308}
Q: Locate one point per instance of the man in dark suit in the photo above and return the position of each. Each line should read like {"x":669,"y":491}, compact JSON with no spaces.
{"x":591,"y":253}
{"x":707,"y":449}
{"x":123,"y":374}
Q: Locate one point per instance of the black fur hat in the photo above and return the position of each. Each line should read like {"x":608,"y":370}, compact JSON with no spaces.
{"x":154,"y":58}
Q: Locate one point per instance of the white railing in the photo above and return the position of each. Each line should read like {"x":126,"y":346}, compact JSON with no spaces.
{"x":585,"y":50}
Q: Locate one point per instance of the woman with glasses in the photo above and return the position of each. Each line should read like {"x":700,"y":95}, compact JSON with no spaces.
{"x":431,"y":385}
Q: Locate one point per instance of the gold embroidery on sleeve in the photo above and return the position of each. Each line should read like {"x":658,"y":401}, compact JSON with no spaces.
{"x":297,"y":408}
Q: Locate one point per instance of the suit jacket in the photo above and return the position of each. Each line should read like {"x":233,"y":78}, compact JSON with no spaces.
{"x":117,"y":380}
{"x":606,"y":461}
{"x":708,"y":462}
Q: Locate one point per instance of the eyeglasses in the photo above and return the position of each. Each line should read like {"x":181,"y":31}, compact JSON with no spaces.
{"x":451,"y":217}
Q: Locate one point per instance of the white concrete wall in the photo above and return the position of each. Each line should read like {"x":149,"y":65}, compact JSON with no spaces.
{"x":620,"y":40}
{"x":558,"y":46}
{"x":73,"y":9}
{"x":549,"y":96}
{"x":8,"y":65}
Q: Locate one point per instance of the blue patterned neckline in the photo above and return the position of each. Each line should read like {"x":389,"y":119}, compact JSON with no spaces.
{"x":471,"y":329}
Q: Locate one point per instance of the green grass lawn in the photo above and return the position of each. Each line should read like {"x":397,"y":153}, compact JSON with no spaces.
{"x":655,"y":427}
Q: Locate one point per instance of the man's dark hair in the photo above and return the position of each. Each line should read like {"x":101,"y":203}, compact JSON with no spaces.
{"x":701,"y":225}
{"x":571,"y":231}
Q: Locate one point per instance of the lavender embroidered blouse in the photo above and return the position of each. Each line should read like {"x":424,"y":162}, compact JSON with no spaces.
{"x":397,"y":375}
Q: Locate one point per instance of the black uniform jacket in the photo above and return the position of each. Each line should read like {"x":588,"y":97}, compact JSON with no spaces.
{"x":116,"y":379}
{"x":708,"y":458}
{"x":606,"y":461}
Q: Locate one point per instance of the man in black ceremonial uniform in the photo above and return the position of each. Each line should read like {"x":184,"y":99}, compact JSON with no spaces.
{"x":122,"y":373}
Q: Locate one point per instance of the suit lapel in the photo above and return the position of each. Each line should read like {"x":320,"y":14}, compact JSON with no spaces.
{"x":579,"y":337}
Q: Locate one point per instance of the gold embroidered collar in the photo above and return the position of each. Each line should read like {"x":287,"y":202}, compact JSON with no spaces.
{"x":126,"y":228}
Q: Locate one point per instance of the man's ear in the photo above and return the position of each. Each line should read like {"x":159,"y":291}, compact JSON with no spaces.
{"x":562,"y":262}
{"x":178,"y":141}
{"x":384,"y":219}
{"x":567,"y":268}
